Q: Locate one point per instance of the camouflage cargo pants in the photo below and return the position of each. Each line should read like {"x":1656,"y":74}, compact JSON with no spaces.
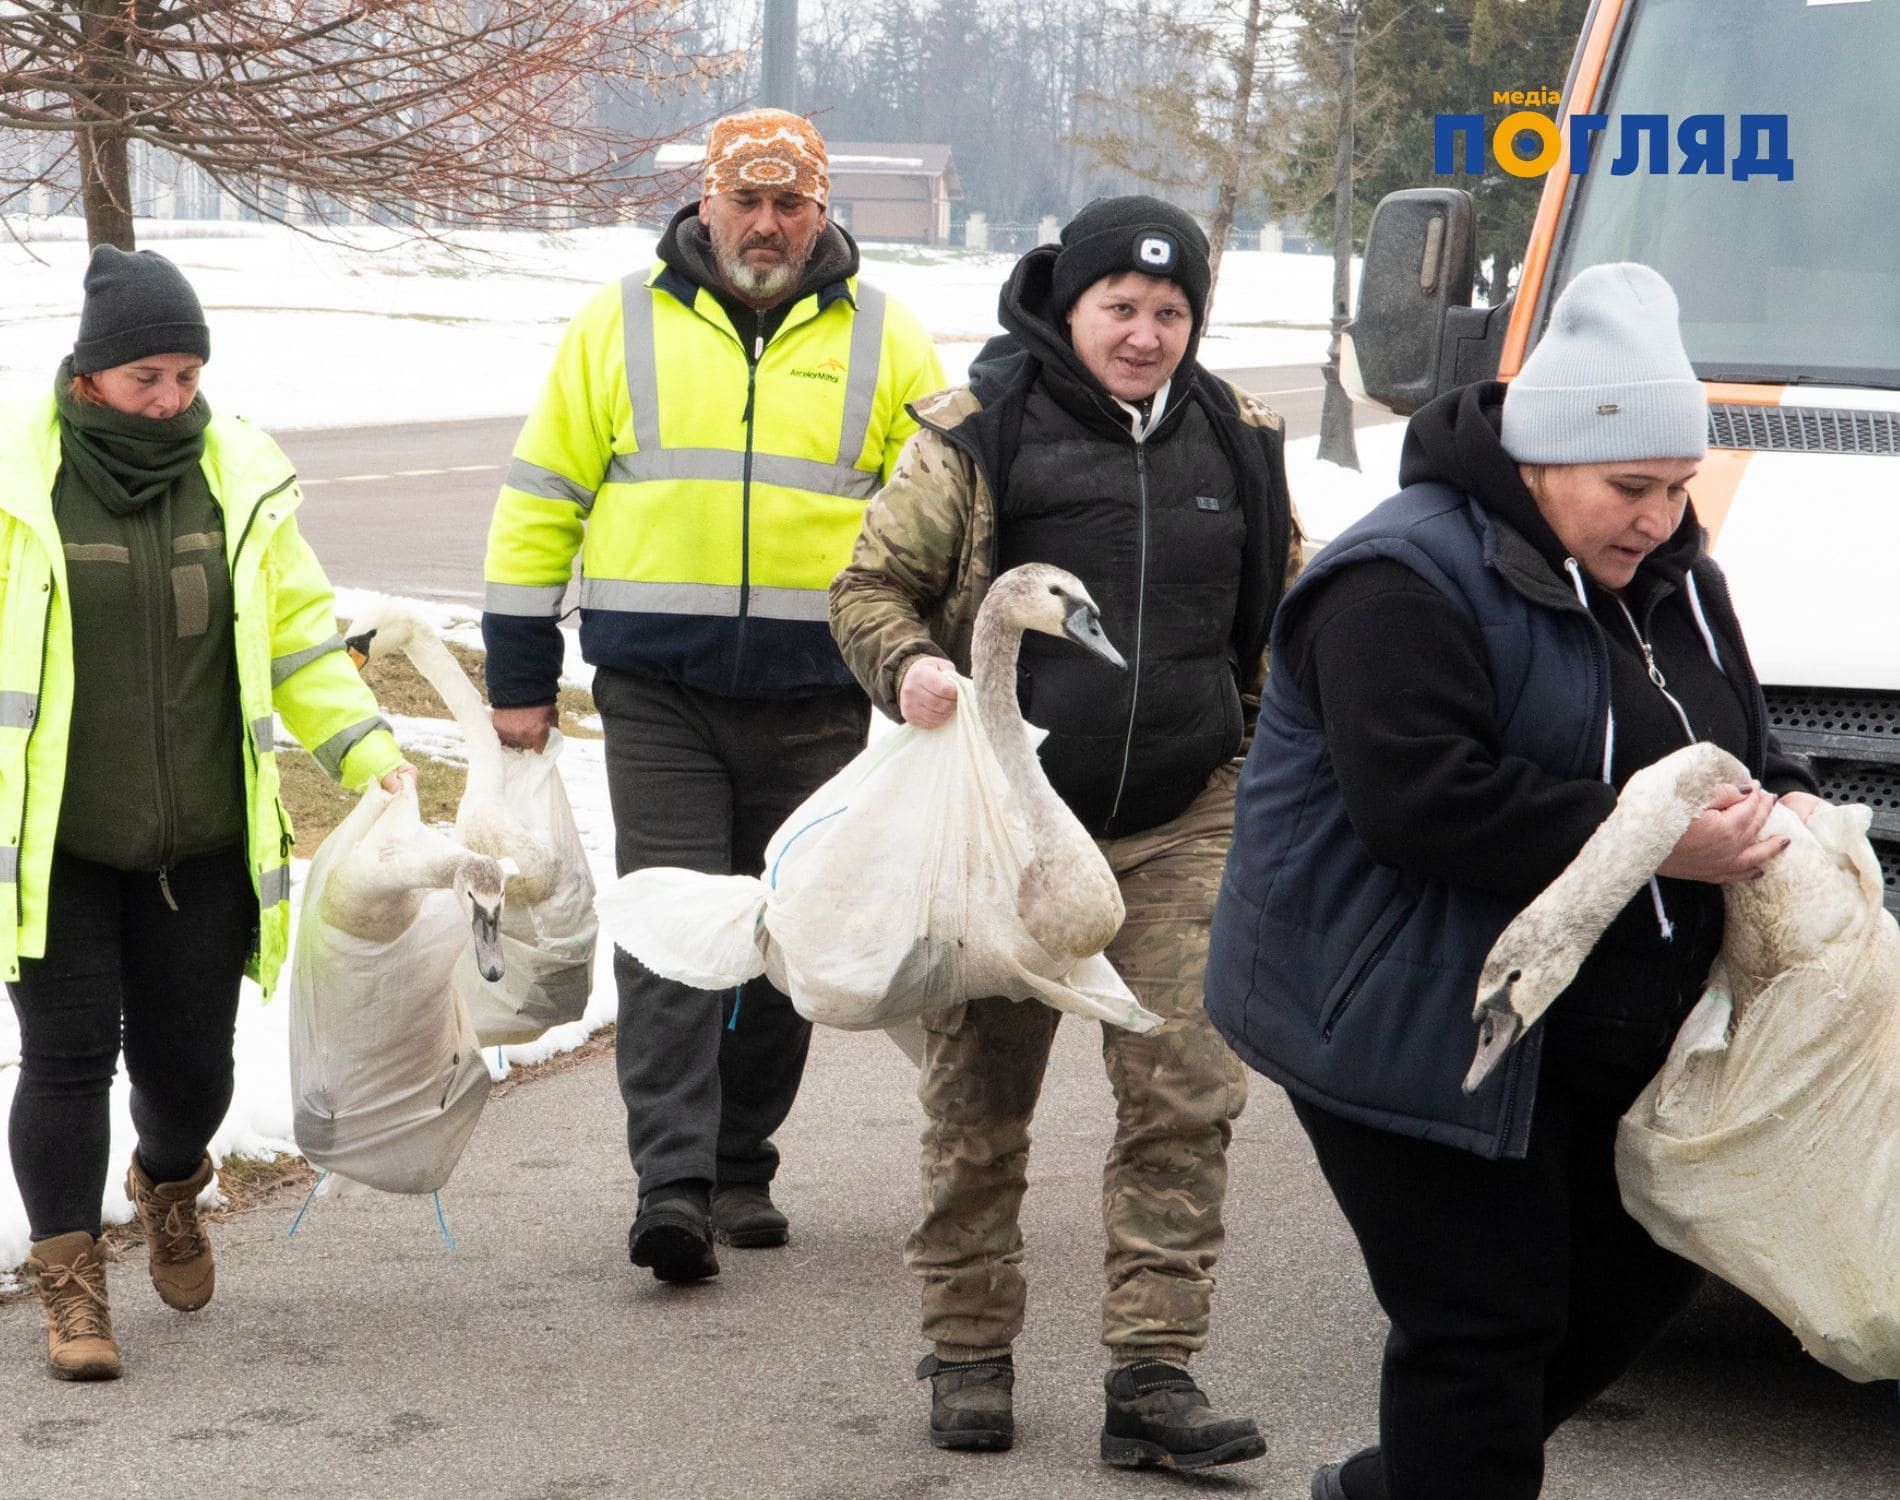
{"x":1177,"y":1089}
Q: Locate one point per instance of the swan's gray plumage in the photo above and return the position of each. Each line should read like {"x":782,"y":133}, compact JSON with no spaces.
{"x":1068,"y":899}
{"x":483,"y":820}
{"x":1823,"y":891}
{"x":375,"y":891}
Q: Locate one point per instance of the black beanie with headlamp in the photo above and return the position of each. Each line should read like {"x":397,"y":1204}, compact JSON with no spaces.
{"x":1133,"y":233}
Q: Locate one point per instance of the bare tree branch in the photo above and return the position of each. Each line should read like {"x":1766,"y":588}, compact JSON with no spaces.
{"x":420,"y":112}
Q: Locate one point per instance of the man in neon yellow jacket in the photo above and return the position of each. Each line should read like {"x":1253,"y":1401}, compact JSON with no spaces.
{"x":707,"y":440}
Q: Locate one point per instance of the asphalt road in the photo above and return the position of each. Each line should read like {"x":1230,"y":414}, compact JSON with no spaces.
{"x":432,"y":485}
{"x":363,"y":1358}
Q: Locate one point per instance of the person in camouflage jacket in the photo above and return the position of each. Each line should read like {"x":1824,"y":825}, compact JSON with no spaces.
{"x":1089,"y":438}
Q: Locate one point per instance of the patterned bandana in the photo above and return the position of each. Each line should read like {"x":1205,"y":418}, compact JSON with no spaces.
{"x":768,"y":150}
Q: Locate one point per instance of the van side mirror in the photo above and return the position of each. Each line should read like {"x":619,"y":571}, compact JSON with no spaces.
{"x":1414,"y":329}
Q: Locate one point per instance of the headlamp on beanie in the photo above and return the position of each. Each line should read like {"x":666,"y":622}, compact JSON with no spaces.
{"x":1156,"y":253}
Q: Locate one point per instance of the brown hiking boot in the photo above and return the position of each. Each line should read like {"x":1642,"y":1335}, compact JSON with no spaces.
{"x":180,"y":1253}
{"x":72,"y":1280}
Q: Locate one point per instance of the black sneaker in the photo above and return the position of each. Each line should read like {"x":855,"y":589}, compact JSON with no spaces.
{"x":745,"y":1217}
{"x":970,"y":1402}
{"x":673,"y":1235}
{"x":1158,"y":1417}
{"x":1368,"y":1478}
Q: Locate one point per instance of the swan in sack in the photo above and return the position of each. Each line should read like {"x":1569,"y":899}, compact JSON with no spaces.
{"x":1768,"y":1148}
{"x":387,"y":1079}
{"x":938,"y":866}
{"x":514,"y":807}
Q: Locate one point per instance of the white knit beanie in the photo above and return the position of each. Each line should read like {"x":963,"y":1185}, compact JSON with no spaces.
{"x":1610,"y":379}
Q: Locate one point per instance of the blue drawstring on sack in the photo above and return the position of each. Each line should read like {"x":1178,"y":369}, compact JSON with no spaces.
{"x":321,"y":1176}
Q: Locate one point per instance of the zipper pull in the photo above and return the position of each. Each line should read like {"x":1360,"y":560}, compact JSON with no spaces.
{"x":1655,"y":672}
{"x":165,"y":888}
{"x":758,"y":348}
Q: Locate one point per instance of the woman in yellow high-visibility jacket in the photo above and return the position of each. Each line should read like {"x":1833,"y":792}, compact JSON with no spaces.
{"x":157,"y":608}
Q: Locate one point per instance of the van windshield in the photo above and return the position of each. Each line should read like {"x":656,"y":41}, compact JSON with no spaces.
{"x":1778,"y":281}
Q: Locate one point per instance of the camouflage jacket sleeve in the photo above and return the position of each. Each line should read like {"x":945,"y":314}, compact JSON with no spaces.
{"x":899,"y":596}
{"x":1256,"y":413}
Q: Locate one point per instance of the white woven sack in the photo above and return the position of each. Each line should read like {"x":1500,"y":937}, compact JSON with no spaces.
{"x":1772,"y":1157}
{"x":890,"y":892}
{"x":387,"y":1079}
{"x":547,"y":946}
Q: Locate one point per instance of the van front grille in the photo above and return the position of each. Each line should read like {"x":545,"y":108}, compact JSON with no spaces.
{"x":1803,"y":429}
{"x":1852,"y":739}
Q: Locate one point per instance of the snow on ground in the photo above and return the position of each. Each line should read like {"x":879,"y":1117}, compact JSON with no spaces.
{"x":309,"y":334}
{"x":316,"y":337}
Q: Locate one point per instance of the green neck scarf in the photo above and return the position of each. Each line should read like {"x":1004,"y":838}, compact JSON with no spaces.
{"x":126,"y":461}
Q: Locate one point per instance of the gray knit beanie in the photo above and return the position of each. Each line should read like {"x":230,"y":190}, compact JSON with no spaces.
{"x":1610,"y":379}
{"x":137,"y":305}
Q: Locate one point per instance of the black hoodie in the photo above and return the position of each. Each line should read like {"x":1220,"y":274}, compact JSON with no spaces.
{"x":1413,"y":735}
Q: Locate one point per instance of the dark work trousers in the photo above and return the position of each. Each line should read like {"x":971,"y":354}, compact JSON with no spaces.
{"x":122,"y":966}
{"x":1517,"y":1290}
{"x":702,"y":782}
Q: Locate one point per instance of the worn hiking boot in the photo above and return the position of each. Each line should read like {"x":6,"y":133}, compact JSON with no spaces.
{"x":970,"y":1402}
{"x":744,"y":1217}
{"x":71,"y":1275}
{"x":1158,"y":1416}
{"x":179,"y":1252}
{"x":672,"y":1234}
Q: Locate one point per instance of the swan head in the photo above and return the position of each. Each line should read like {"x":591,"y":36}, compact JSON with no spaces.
{"x":1530,"y":965}
{"x":1040,"y":596}
{"x":383,"y":627}
{"x":479,"y":885}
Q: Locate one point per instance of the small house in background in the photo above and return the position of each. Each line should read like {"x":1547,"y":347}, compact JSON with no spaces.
{"x":879,"y":191}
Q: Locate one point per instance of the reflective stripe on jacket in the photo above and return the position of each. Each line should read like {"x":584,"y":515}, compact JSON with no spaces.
{"x":712,"y":490}
{"x":289,"y":658}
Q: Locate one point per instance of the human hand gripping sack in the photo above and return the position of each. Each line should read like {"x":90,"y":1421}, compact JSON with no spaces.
{"x":524,"y":728}
{"x":927,"y":696}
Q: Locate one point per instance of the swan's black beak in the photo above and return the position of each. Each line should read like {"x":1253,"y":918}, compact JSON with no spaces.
{"x":1084,"y":627}
{"x":358,"y":647}
{"x":1498,"y":1028}
{"x":485,"y":924}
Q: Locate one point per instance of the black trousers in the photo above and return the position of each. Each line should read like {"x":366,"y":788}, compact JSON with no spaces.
{"x":702,"y":782}
{"x":1517,"y":1290}
{"x":122,"y":968}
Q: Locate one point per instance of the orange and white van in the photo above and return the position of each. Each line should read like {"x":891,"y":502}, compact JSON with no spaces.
{"x":1790,"y":297}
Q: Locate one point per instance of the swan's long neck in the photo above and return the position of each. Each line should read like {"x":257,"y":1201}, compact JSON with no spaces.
{"x":1551,"y":937}
{"x":444,"y":673}
{"x":993,"y":654}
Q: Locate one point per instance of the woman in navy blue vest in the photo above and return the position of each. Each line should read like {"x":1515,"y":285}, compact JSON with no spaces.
{"x":1461,"y":682}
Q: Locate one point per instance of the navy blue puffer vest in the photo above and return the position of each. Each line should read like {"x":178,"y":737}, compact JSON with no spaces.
{"x":1346,"y":981}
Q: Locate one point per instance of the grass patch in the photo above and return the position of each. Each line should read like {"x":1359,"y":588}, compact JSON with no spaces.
{"x":600,"y":1044}
{"x":316,"y":804}
{"x":401,"y":689}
